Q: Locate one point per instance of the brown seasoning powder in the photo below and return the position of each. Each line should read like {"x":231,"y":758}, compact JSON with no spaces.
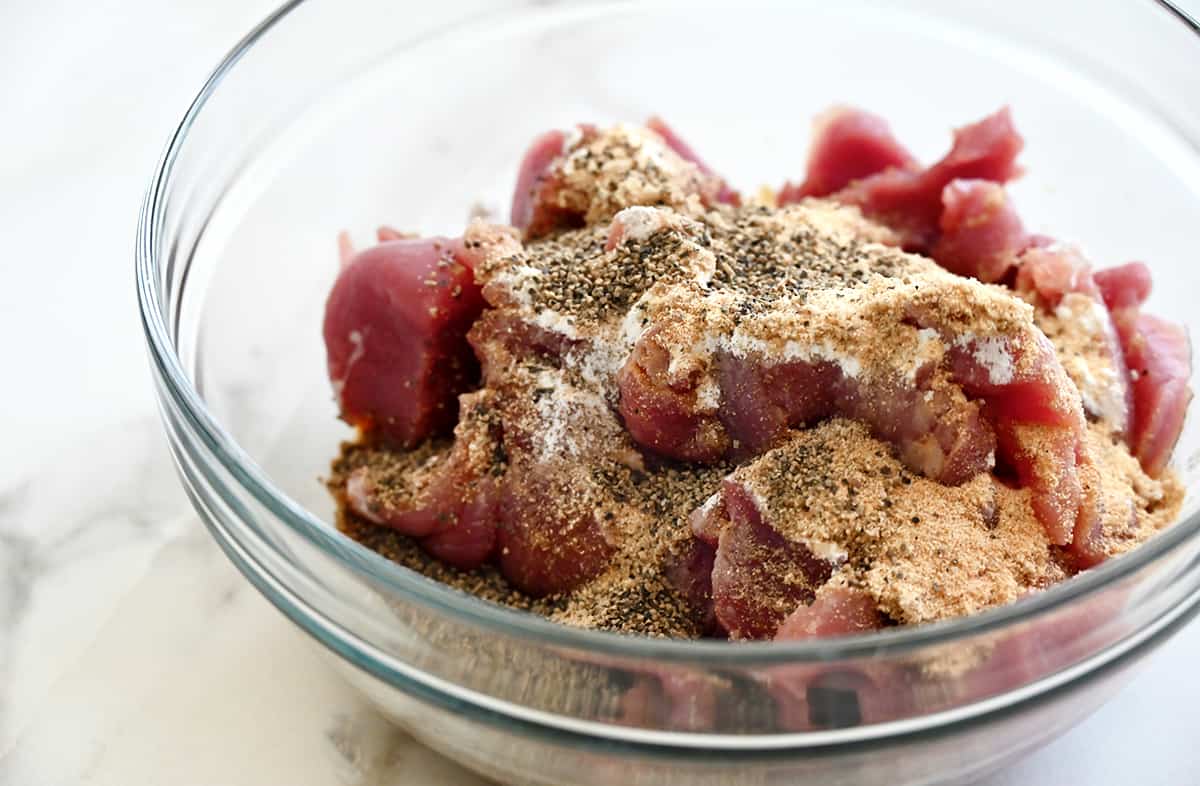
{"x":759,"y":281}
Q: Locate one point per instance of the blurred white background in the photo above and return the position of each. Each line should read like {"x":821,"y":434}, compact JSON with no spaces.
{"x":89,"y":92}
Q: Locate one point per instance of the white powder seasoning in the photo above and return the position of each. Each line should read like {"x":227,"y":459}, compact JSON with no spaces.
{"x":639,"y":223}
{"x":598,"y":366}
{"x":518,"y":280}
{"x":708,"y":395}
{"x":1086,"y":341}
{"x":357,"y":339}
{"x":990,"y":352}
{"x":557,"y":405}
{"x":555,"y":322}
{"x":571,"y":139}
{"x":741,"y":345}
{"x":929,"y":349}
{"x":830,"y":552}
{"x":651,"y":151}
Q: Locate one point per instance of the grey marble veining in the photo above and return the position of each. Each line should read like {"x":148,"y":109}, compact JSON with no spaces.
{"x":18,"y":569}
{"x":17,"y":566}
{"x":104,"y":503}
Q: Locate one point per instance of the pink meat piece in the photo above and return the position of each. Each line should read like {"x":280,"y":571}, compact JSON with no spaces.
{"x":346,"y":249}
{"x":656,"y":124}
{"x":551,"y":195}
{"x":519,"y":338}
{"x":641,"y":703}
{"x":1038,"y":425}
{"x":690,"y":570}
{"x":1047,"y":644}
{"x":471,"y":541}
{"x":395,"y":338}
{"x":1087,"y":544}
{"x":452,"y":504}
{"x":759,"y":576}
{"x":364,"y":500}
{"x":705,"y":521}
{"x":816,"y":698}
{"x":945,"y":437}
{"x":643,"y":221}
{"x":936,"y":434}
{"x":670,"y":699}
{"x":823,"y":696}
{"x":848,"y":145}
{"x":1038,"y":395}
{"x":533,"y":170}
{"x":985,"y":150}
{"x":538,"y":179}
{"x":690,"y":698}
{"x":760,"y":402}
{"x":690,"y":573}
{"x":910,"y":202}
{"x":545,"y":545}
{"x":1156,"y":353}
{"x":455,"y":520}
{"x":661,"y":417}
{"x":1046,"y":462}
{"x":836,"y":611}
{"x":981,"y":234}
{"x":385,"y":234}
{"x":1160,"y":364}
{"x":1052,"y":273}
{"x":1125,"y":286}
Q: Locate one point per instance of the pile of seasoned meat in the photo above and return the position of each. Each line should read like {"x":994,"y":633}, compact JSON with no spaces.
{"x":652,"y":406}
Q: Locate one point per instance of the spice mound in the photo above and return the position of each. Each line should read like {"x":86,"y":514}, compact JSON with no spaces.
{"x":650,"y":405}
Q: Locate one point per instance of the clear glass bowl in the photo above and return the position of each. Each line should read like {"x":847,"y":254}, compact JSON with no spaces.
{"x":336,"y":114}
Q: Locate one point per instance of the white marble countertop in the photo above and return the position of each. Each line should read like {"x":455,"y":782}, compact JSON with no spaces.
{"x":130,"y":651}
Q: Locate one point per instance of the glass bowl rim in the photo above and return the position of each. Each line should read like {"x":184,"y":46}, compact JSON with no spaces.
{"x":170,"y":374}
{"x":749,"y":747}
